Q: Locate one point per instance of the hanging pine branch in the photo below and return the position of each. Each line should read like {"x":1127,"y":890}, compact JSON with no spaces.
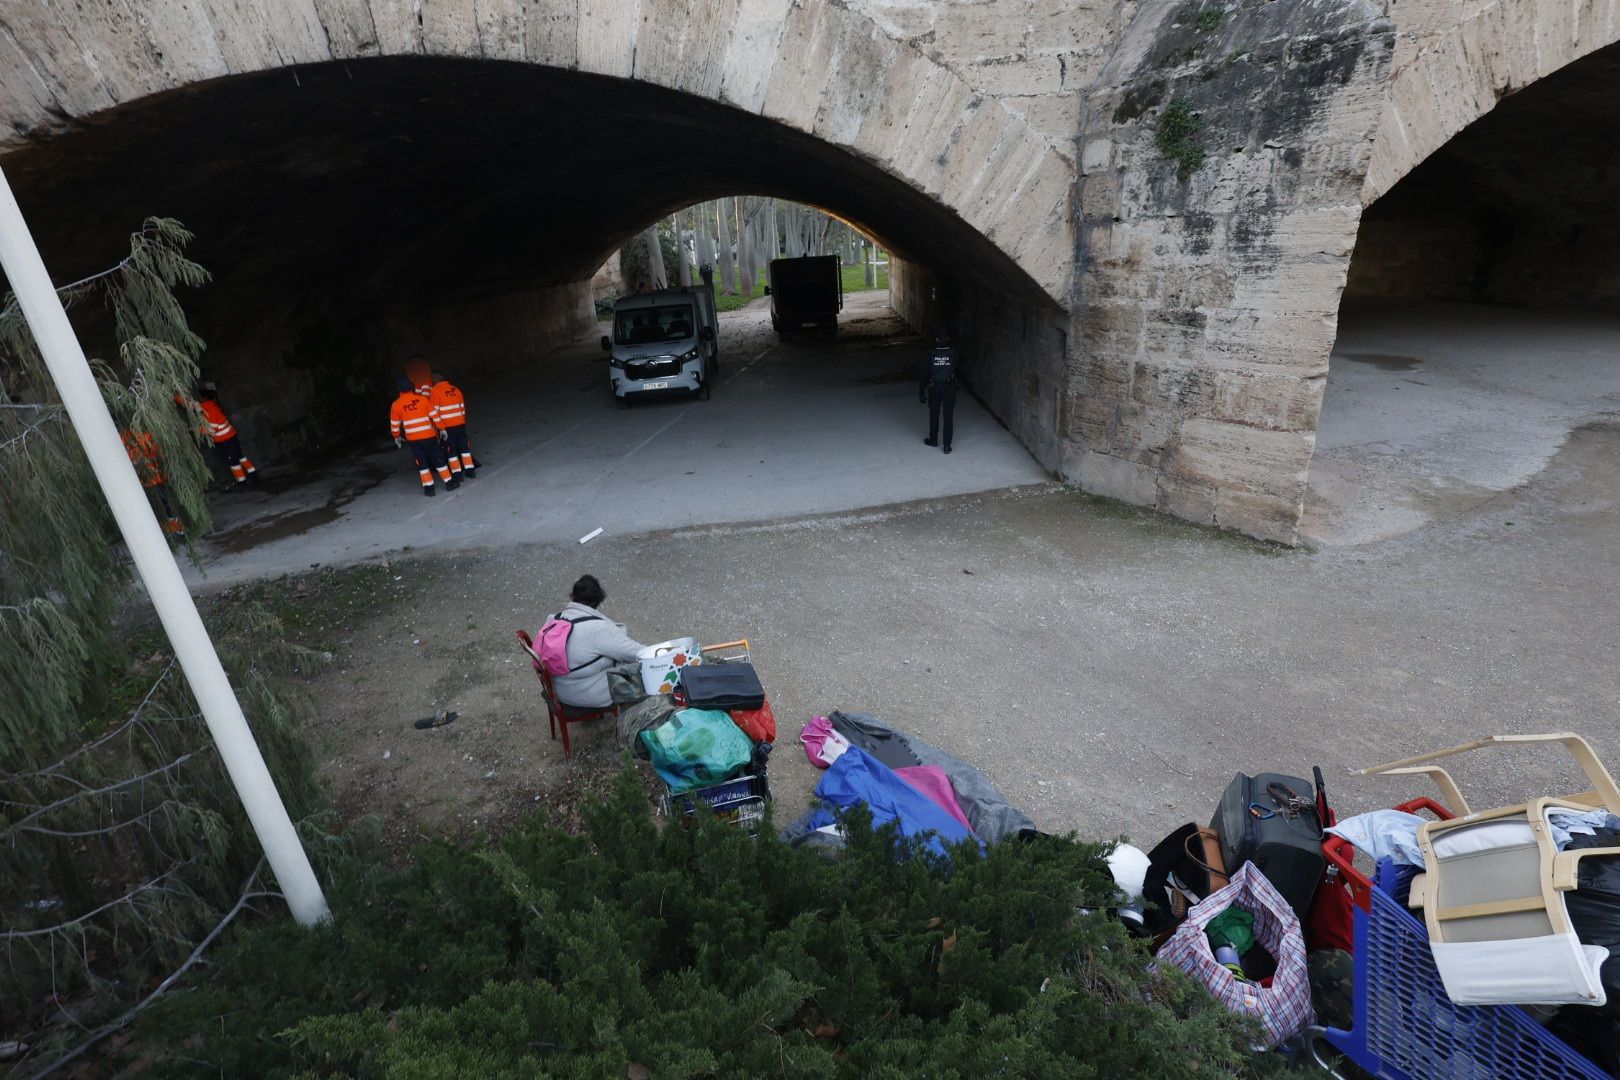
{"x":121,"y":839}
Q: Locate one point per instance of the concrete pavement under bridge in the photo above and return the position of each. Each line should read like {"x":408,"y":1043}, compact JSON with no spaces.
{"x":1139,"y":216}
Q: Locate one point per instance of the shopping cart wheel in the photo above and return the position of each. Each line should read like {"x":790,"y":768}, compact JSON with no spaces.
{"x":1312,"y":1048}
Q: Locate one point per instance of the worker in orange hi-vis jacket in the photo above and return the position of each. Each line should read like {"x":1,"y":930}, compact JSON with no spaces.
{"x":410,"y":422}
{"x":143,"y":453}
{"x":450,"y":413}
{"x":227,"y":444}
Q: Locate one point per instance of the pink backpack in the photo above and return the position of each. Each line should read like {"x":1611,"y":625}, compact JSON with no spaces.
{"x":551,"y":643}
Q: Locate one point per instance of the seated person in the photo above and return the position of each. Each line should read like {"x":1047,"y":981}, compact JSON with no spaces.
{"x":595,"y":645}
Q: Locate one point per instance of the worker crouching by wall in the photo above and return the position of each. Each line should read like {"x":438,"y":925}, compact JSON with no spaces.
{"x":143,"y":454}
{"x":411,"y":423}
{"x":227,"y":443}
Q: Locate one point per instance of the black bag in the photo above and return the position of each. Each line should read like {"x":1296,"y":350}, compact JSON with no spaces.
{"x":722,"y":686}
{"x":1283,"y":839}
{"x":1184,"y":856}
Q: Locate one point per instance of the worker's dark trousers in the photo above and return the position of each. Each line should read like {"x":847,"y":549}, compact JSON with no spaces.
{"x":941,"y":398}
{"x":460,"y":450}
{"x":230,"y":455}
{"x":430,"y":459}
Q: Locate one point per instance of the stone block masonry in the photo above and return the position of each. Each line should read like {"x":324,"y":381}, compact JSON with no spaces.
{"x":1223,"y":152}
{"x":1139,"y":213}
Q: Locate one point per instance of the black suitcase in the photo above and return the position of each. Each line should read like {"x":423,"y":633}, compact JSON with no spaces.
{"x":722,"y":686}
{"x":1284,"y":841}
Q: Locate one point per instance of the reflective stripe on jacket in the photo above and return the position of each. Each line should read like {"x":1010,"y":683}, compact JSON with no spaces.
{"x":449,"y":405}
{"x":412,"y":418}
{"x":215,"y":423}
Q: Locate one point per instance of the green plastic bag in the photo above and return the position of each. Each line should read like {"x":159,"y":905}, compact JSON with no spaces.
{"x":697,"y":747}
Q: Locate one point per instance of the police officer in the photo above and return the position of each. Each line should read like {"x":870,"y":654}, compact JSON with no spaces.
{"x":938,"y":389}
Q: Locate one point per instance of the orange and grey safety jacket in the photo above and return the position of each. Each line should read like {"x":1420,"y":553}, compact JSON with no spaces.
{"x":411,"y":418}
{"x":216,"y":424}
{"x":449,"y":407}
{"x":143,"y":452}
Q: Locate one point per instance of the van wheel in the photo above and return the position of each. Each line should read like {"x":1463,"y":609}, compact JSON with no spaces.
{"x":714,"y":365}
{"x":703,"y":391}
{"x":830,"y":330}
{"x":782,"y":335}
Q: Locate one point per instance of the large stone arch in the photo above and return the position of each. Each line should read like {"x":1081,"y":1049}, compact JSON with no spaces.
{"x":1453,"y":63}
{"x":820,"y":68}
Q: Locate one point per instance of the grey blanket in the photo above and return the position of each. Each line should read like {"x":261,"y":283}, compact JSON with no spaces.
{"x":987,"y":810}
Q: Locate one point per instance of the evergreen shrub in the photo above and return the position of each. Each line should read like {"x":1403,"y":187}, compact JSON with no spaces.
{"x":639,"y":951}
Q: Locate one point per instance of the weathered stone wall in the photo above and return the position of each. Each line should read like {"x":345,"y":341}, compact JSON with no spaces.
{"x":1223,"y":152}
{"x":1013,"y":350}
{"x":1033,"y":56}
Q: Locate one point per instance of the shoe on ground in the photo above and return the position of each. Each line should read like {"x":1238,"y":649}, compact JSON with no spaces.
{"x":471,"y":474}
{"x":429,"y":492}
{"x":455,"y":482}
{"x":947,"y":449}
{"x":930,"y":442}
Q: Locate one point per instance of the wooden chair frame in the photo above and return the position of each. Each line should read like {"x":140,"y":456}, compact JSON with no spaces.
{"x":1559,"y":869}
{"x":559,"y":714}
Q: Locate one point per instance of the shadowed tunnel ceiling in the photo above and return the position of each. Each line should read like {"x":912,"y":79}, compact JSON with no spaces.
{"x":416,"y":180}
{"x":1522,"y":207}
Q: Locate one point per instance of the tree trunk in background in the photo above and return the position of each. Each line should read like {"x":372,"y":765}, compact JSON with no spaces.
{"x":747,"y":277}
{"x":655,"y":258}
{"x":683,"y":261}
{"x":870,"y":259}
{"x":728,"y":260}
{"x":793,"y":227}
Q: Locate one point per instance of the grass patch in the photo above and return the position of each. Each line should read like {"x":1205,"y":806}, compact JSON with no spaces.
{"x":854,"y":277}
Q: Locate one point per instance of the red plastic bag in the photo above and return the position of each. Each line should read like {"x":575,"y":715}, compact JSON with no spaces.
{"x":758,"y":724}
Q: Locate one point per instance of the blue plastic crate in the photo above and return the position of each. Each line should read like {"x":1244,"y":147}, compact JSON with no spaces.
{"x":740,"y":800}
{"x":1408,"y":1029}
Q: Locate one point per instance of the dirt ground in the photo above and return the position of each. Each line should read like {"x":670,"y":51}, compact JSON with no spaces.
{"x":1110,"y":669}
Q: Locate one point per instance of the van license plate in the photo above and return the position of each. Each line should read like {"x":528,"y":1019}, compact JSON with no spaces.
{"x":655,"y":386}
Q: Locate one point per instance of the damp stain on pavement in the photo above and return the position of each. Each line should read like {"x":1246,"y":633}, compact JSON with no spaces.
{"x":295,"y":522}
{"x":1382,"y":361}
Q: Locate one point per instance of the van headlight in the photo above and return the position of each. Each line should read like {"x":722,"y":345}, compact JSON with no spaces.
{"x":689,"y":356}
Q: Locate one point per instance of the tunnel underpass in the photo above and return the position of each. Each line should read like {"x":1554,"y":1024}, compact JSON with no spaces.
{"x":1480,"y":324}
{"x":356,"y":212}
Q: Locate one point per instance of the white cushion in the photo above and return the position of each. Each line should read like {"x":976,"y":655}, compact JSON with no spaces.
{"x":1486,"y":836}
{"x":1552,"y":970}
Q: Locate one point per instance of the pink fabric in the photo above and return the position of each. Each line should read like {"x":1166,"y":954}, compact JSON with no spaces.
{"x":932,"y":781}
{"x":822,"y":745}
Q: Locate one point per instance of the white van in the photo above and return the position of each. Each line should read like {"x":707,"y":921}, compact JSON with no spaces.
{"x":663,"y":341}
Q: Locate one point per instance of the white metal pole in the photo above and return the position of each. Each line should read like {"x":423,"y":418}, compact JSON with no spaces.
{"x":64,"y":356}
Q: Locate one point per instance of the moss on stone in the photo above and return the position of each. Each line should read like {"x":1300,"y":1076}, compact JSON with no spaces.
{"x":1174,"y":136}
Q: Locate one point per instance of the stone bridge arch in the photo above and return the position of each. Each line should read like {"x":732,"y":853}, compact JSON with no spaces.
{"x":822,"y":69}
{"x":1454,"y":62}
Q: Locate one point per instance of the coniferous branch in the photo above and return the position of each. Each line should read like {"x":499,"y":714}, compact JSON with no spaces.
{"x":117,"y":1024}
{"x":102,"y":792}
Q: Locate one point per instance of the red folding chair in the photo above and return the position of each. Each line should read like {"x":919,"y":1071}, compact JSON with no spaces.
{"x":559,"y":714}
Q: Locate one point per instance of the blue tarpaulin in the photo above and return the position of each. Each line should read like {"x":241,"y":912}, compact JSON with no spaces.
{"x":857,"y":777}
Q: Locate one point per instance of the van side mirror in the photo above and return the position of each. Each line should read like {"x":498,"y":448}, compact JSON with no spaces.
{"x":767,"y":291}
{"x":706,"y":334}
{"x":607,"y":343}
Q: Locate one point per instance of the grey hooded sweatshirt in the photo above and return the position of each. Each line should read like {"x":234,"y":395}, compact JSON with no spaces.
{"x":593,"y":647}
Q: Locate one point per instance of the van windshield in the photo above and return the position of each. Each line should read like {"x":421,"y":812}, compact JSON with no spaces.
{"x":644,"y":326}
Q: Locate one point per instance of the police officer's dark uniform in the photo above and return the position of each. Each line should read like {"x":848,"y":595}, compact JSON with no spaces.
{"x":938,"y":389}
